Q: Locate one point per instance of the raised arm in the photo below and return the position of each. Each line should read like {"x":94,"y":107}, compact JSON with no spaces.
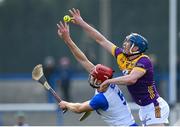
{"x":92,"y":32}
{"x":63,"y":32}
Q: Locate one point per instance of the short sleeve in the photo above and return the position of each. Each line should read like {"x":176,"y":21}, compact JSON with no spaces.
{"x":143,"y":64}
{"x":99,"y":102}
{"x":116,"y":51}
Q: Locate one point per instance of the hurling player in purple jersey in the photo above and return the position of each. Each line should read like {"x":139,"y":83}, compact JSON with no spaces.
{"x":137,"y":69}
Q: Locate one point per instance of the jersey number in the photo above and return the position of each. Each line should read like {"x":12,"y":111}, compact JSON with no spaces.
{"x":121,"y":96}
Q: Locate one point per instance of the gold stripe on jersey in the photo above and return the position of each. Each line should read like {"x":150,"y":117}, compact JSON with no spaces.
{"x":157,"y":112}
{"x":140,"y":69}
{"x":151,"y":92}
{"x":113,"y":50}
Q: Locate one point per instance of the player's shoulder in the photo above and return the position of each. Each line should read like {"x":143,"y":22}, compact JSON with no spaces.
{"x":116,"y":50}
{"x":144,"y":61}
{"x":99,"y":95}
{"x":144,"y":58}
{"x":99,"y":101}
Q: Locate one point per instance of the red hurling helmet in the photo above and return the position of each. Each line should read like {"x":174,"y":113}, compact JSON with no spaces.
{"x":99,"y":74}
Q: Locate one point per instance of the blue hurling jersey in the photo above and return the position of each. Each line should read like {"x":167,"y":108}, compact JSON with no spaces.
{"x":112,"y":107}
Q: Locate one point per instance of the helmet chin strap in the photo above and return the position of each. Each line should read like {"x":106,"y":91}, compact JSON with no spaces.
{"x":131,"y":52}
{"x":94,"y":86}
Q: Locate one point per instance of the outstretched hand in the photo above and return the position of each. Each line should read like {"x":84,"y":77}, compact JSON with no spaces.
{"x":63,"y":31}
{"x":76,"y":16}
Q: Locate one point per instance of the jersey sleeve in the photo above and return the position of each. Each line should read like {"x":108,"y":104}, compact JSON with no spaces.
{"x":116,"y":51}
{"x":99,"y":102}
{"x":143,"y":64}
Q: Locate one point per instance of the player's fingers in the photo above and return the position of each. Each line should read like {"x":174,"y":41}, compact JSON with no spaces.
{"x":67,"y":27}
{"x":62,"y":25}
{"x":59,"y":33}
{"x":59,"y":29}
{"x":78,"y":11}
{"x":62,"y":106}
{"x":72,"y":18}
{"x":71,"y":12}
{"x":59,"y":103}
{"x":73,"y":21}
{"x":104,"y":86}
{"x":74,"y":10}
{"x":65,"y":24}
{"x":58,"y":26}
{"x":101,"y":89}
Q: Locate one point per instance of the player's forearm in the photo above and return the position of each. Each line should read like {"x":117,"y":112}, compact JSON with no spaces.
{"x":79,"y":55}
{"x":96,"y":35}
{"x":123,"y":80}
{"x":74,"y":107}
{"x":93,"y":33}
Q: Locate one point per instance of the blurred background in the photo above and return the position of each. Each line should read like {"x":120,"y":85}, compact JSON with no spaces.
{"x":28,"y":36}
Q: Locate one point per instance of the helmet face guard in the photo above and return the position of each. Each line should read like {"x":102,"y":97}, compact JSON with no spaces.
{"x":93,"y":82}
{"x":136,"y":40}
{"x":99,"y":74}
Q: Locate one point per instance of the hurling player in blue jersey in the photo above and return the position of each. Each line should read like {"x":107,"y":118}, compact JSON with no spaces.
{"x":138,"y":72}
{"x":111,"y":104}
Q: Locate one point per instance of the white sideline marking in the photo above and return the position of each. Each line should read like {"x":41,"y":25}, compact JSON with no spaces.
{"x":28,"y":107}
{"x":40,"y":107}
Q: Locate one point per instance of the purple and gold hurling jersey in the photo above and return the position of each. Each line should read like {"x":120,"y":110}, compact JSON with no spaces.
{"x":143,"y":91}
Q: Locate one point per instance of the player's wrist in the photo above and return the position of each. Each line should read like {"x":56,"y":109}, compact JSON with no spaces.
{"x":67,"y":39}
{"x":82,"y":23}
{"x":108,"y":82}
